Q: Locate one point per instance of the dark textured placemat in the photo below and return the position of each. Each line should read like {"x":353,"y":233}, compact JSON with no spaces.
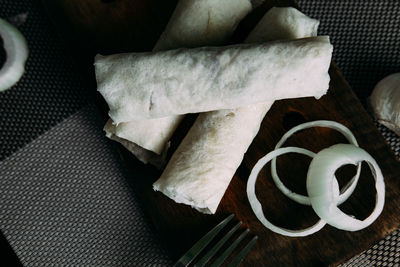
{"x":365,"y":35}
{"x":64,"y":197}
{"x":65,"y":201}
{"x":51,"y":88}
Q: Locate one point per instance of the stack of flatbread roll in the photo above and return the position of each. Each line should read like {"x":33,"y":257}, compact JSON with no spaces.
{"x":232,"y":87}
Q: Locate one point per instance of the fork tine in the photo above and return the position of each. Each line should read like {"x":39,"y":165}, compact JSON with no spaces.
{"x":242,"y":254}
{"x":217,"y":246}
{"x":202,"y":243}
{"x":229,"y":250}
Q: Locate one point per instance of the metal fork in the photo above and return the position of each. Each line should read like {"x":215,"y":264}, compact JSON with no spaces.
{"x":197,"y":248}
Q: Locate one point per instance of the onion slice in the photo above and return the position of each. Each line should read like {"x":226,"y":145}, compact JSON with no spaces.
{"x":346,"y":191}
{"x":256,"y":205}
{"x":16,"y":50}
{"x":321,"y":188}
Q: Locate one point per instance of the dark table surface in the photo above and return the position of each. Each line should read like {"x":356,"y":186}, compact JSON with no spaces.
{"x":64,"y":196}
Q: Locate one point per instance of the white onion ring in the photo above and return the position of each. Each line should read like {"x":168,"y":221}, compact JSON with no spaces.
{"x":16,"y":50}
{"x":346,"y":191}
{"x":321,"y":190}
{"x":256,"y":205}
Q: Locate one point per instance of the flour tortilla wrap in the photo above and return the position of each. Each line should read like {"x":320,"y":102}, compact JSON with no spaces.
{"x":150,"y":85}
{"x":194,"y":23}
{"x":202,"y":167}
{"x":142,"y":154}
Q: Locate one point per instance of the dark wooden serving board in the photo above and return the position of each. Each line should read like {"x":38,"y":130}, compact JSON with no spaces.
{"x":93,"y":26}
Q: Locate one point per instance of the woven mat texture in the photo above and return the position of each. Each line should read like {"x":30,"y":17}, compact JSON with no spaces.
{"x":64,"y":197}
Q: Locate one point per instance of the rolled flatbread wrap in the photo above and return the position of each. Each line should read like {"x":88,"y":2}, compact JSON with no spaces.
{"x":193,"y":23}
{"x":197,"y":23}
{"x":151,"y":135}
{"x":152,"y":85}
{"x":142,"y":154}
{"x":202,"y":167}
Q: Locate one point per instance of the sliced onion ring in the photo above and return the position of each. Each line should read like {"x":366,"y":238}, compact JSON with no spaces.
{"x":346,"y":191}
{"x":320,"y":189}
{"x":16,"y":54}
{"x":256,"y":205}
